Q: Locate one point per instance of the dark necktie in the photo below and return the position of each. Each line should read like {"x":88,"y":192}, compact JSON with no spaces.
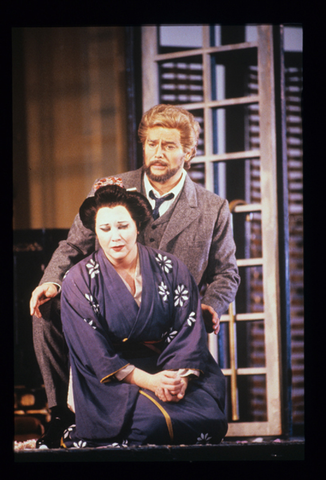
{"x":158,"y":202}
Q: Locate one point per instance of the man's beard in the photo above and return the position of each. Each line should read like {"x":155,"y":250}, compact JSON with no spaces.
{"x":160,"y":178}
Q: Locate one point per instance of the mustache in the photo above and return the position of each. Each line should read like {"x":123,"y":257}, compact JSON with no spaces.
{"x":158,"y":162}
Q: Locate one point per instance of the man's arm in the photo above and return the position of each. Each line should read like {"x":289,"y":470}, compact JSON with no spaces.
{"x":80,"y":242}
{"x":222,"y":276}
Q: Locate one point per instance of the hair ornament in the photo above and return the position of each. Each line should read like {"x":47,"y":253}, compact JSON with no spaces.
{"x":108,"y":181}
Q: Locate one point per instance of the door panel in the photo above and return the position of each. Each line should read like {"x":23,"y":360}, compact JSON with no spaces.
{"x":228,"y":84}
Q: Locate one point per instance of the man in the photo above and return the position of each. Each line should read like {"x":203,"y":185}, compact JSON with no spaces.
{"x":188,"y":221}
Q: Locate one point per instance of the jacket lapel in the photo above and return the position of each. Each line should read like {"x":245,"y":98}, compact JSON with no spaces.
{"x":185,"y":212}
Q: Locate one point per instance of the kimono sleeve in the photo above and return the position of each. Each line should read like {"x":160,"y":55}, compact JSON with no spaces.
{"x":186,"y":341}
{"x":86,"y":332}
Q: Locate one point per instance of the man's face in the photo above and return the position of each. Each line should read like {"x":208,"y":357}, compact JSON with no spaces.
{"x":163,"y":154}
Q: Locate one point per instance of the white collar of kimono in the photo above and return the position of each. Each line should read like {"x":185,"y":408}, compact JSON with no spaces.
{"x":138,"y":283}
{"x":176,"y":190}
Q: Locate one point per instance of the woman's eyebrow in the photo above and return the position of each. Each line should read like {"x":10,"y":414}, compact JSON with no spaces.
{"x":108,"y":224}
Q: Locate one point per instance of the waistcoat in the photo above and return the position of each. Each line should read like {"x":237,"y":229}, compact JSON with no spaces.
{"x":154,"y":231}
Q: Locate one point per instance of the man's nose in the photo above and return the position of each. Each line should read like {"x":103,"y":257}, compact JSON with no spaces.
{"x":159,"y":150}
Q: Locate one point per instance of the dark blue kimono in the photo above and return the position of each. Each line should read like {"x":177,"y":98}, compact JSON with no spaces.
{"x":106,"y":331}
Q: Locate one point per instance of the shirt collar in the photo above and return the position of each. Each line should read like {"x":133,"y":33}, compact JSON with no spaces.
{"x":175,"y":190}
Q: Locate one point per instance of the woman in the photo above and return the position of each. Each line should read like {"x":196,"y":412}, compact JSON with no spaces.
{"x":142,"y":372}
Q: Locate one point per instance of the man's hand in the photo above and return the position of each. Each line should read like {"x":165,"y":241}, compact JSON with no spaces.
{"x":41,"y":294}
{"x":211,"y":319}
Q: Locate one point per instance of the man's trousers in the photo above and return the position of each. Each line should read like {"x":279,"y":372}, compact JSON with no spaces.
{"x":52,"y":352}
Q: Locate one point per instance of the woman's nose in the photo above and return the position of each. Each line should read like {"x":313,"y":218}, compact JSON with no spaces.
{"x":115,"y":234}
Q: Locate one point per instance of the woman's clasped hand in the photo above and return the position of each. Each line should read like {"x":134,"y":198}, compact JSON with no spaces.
{"x":169,"y":386}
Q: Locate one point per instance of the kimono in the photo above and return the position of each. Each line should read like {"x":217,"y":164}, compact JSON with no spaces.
{"x":106,"y":331}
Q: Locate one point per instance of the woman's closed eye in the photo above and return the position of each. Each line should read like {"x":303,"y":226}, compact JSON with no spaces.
{"x":107,"y":228}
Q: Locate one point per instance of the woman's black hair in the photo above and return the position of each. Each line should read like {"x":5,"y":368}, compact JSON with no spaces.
{"x":112,"y":196}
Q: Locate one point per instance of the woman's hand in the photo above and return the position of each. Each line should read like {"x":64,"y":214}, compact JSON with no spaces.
{"x":167,"y":385}
{"x":173,"y":393}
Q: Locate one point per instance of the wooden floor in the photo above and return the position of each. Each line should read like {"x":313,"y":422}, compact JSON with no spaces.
{"x":228,"y":450}
{"x":30,"y":424}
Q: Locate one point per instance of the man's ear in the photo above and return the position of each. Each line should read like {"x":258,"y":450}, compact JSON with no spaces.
{"x":189,"y":155}
{"x":192,"y":153}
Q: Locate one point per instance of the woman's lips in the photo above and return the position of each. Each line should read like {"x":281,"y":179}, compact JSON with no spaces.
{"x":118,"y":248}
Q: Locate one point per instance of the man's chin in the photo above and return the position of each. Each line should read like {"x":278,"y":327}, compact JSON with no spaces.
{"x":159,"y":178}
{"x":162,"y":178}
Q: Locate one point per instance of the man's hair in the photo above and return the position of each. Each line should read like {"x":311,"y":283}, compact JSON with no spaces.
{"x":172,"y":116}
{"x":112,"y":196}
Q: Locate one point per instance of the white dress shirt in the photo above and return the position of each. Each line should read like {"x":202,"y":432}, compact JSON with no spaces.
{"x":167,"y":204}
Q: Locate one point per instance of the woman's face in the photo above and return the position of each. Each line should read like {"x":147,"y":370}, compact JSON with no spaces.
{"x":117,"y":234}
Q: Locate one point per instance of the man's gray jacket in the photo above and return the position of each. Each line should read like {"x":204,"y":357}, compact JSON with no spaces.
{"x":198,"y":232}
